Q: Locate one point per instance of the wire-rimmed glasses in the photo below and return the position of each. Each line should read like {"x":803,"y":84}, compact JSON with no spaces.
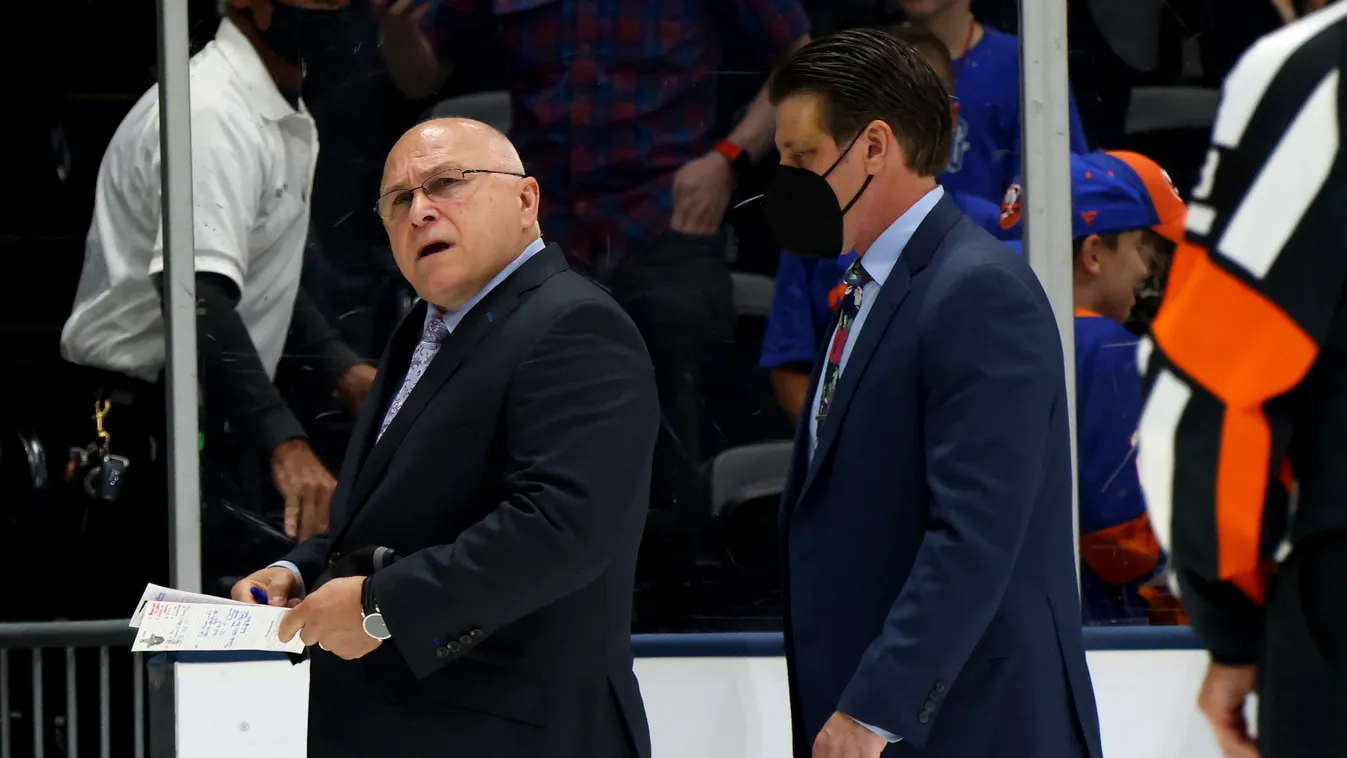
{"x":440,"y":186}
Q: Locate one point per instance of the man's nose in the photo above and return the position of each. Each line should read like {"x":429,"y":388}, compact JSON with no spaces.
{"x":423,"y":209}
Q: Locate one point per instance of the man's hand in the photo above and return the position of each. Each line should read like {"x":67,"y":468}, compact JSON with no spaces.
{"x":1222,"y":699}
{"x":701,"y":193}
{"x":279,"y":582}
{"x":306,"y":485}
{"x":843,"y":737}
{"x":330,"y":618}
{"x":354,"y":385}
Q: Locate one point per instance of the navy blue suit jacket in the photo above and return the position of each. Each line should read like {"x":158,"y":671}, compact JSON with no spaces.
{"x":929,"y":582}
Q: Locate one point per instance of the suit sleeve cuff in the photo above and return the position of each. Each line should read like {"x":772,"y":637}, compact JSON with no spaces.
{"x":882,"y":733}
{"x":299,"y":577}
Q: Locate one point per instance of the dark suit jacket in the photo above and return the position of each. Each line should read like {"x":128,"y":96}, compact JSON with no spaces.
{"x":515,"y":479}
{"x":929,"y":581}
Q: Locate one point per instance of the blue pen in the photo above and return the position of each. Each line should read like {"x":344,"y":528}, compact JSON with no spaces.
{"x":259,"y":594}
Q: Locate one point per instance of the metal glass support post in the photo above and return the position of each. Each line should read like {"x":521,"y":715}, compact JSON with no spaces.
{"x":1045,"y":126}
{"x":179,"y":282}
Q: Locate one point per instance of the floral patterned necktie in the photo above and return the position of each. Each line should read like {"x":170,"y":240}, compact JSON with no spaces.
{"x":431,"y":338}
{"x":855,"y":279}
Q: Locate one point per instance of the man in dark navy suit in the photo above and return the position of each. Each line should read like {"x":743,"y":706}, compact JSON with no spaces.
{"x":504,"y":454}
{"x":931,"y":601}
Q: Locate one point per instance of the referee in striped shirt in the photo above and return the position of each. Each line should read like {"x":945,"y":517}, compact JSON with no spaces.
{"x":1243,"y":437}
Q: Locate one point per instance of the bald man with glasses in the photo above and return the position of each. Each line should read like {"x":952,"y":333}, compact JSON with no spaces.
{"x":498,"y":478}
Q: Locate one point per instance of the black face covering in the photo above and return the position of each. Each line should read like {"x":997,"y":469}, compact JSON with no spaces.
{"x":802,"y":210}
{"x":294,"y":32}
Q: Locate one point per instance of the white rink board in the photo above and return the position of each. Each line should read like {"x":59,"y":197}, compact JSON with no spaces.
{"x":705,"y":707}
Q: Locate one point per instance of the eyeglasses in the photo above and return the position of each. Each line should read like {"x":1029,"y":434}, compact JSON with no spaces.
{"x":442,"y":186}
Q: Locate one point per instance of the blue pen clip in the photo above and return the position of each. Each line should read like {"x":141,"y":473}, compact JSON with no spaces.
{"x":259,"y":594}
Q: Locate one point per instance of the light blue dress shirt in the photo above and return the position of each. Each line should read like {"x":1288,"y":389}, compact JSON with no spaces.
{"x":878,"y":261}
{"x":451,"y":320}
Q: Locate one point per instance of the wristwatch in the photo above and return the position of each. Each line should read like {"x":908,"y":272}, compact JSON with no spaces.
{"x":371,"y":618}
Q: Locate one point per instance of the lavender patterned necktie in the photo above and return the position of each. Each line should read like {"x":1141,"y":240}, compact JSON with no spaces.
{"x":431,"y":338}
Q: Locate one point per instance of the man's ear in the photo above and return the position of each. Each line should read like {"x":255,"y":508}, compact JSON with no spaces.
{"x":530,"y":197}
{"x":1090,"y":250}
{"x":878,"y":141}
{"x":954,"y":114}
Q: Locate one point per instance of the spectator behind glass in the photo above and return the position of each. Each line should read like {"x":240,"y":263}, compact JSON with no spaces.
{"x":985,"y":156}
{"x":634,"y":145}
{"x":614,"y":110}
{"x":808,"y":290}
{"x":253,"y":151}
{"x":1122,"y":207}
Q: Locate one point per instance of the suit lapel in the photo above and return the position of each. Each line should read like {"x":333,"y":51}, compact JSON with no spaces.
{"x":915,"y":256}
{"x":484,"y":318}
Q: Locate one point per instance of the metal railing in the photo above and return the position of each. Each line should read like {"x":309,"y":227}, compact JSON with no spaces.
{"x":111,"y":639}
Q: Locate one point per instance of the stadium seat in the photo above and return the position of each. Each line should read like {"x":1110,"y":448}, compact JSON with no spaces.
{"x":1158,"y":109}
{"x":752,"y":294}
{"x":748,"y":472}
{"x":492,"y":107}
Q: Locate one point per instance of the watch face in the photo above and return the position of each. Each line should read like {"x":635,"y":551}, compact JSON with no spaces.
{"x":375,"y":626}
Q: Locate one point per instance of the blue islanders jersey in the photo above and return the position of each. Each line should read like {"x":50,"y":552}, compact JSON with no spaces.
{"x":985,"y":156}
{"x":1119,"y":552}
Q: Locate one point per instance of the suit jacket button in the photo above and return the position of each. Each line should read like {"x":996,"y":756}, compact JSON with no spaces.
{"x":465,"y":640}
{"x":930,"y":707}
{"x":452,"y":647}
{"x":937,"y":695}
{"x":477,"y":634}
{"x":441,"y":652}
{"x":924,"y":717}
{"x":939,"y":686}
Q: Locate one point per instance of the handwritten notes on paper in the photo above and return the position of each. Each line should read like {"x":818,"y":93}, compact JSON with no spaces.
{"x":154,"y":592}
{"x":189,"y":621}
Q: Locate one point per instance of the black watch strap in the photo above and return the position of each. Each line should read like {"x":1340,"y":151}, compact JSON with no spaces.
{"x":367,"y":603}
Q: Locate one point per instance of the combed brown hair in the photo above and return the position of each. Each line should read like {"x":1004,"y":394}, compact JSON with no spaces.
{"x":864,"y":75}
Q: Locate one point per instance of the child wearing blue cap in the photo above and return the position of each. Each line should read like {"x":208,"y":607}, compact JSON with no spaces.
{"x":1124,"y":210}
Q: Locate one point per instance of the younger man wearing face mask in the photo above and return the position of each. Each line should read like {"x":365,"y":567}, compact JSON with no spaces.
{"x":1123,"y":209}
{"x":808,"y":290}
{"x":253,"y":152}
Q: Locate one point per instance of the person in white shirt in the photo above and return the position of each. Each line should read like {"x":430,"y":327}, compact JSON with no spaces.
{"x":254,"y":148}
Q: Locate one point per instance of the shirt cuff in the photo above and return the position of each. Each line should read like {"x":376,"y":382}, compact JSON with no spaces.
{"x":274,"y":426}
{"x":886,"y":735}
{"x":294,"y":570}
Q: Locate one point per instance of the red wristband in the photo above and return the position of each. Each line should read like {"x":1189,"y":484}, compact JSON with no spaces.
{"x":729,"y":150}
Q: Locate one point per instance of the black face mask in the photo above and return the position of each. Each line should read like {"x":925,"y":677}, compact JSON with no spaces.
{"x":294,"y":32}
{"x":802,"y":210}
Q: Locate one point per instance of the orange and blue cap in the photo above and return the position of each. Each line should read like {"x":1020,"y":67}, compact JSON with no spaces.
{"x":1111,"y":193}
{"x":1164,"y":196}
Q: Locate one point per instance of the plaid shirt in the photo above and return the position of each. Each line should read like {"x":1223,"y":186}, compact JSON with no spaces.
{"x":611,"y":97}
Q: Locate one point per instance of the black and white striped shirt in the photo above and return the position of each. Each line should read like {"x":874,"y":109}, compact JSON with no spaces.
{"x":1246,"y":379}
